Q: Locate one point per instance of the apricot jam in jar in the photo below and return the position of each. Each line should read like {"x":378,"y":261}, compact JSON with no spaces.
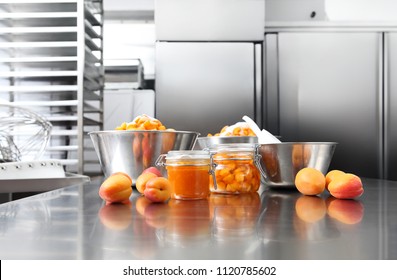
{"x":235,"y":169}
{"x":188,"y":173}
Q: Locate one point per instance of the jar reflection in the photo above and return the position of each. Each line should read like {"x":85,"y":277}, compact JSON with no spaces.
{"x":234,"y":215}
{"x":189,"y":222}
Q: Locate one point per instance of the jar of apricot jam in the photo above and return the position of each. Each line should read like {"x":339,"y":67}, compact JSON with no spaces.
{"x":234,"y":169}
{"x":188,"y":173}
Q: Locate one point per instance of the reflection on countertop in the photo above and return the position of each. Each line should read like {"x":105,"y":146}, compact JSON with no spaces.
{"x":74,"y":223}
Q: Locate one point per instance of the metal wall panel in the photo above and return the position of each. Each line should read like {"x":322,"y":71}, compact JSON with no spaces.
{"x":210,"y":20}
{"x":390,"y":105}
{"x":204,"y":86}
{"x":329,"y":90}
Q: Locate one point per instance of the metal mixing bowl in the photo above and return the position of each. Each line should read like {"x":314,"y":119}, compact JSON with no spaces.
{"x":132,"y":151}
{"x":279,"y":163}
{"x":213,"y":141}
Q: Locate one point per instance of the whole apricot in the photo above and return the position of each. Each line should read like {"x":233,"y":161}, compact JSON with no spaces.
{"x":346,"y":186}
{"x":124,"y":174}
{"x":116,"y":188}
{"x":153,"y":170}
{"x":310,"y":181}
{"x":158,"y":189}
{"x":331,"y":175}
{"x":142,"y":179}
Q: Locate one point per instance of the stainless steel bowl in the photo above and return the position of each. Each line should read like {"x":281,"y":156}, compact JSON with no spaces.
{"x":132,"y":151}
{"x":211,"y":142}
{"x":279,"y":163}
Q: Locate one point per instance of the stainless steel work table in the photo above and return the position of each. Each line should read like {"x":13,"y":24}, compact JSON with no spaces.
{"x":74,"y":223}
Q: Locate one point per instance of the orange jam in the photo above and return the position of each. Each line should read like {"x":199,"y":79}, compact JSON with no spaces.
{"x":188,"y":173}
{"x":235,"y":170}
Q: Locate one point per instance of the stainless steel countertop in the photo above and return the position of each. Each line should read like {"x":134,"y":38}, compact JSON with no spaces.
{"x":74,"y":223}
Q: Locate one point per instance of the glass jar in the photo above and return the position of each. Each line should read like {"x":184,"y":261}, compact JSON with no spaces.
{"x":188,"y":173}
{"x":234,"y":168}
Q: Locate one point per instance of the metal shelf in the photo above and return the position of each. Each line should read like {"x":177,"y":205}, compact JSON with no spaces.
{"x":52,"y":63}
{"x":38,"y":15}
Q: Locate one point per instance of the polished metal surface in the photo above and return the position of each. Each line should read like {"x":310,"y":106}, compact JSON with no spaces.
{"x":390,"y":113}
{"x":74,"y":223}
{"x":279,"y":163}
{"x":212,"y":84}
{"x":242,"y":20}
{"x":133,"y":151}
{"x":332,"y":97}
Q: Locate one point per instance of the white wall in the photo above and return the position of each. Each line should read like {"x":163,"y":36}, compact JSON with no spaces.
{"x":122,"y":5}
{"x":129,"y":32}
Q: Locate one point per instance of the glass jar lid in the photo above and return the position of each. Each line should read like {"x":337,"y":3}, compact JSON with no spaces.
{"x":236,"y":151}
{"x":235,"y":147}
{"x":184,"y":158}
{"x":187,"y":155}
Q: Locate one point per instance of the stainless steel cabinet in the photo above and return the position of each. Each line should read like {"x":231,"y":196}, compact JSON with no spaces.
{"x":329,"y":88}
{"x":209,"y":20}
{"x":390,"y":115}
{"x":205,"y":86}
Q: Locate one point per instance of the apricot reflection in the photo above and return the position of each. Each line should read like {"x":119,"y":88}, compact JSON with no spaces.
{"x":116,"y":216}
{"x":289,"y":215}
{"x":310,"y":209}
{"x":346,"y":211}
{"x":308,"y":220}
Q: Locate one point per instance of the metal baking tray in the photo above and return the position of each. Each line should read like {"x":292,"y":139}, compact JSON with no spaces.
{"x":41,"y":184}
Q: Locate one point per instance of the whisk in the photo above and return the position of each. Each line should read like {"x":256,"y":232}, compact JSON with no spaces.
{"x":24,"y":134}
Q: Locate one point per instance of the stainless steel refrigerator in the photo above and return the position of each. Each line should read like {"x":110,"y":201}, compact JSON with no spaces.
{"x":336,"y":86}
{"x":208,"y":63}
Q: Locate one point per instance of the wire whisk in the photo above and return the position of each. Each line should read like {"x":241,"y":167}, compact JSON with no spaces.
{"x":24,"y":134}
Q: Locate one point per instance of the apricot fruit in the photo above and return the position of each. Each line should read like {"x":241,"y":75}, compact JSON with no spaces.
{"x":346,"y":211}
{"x":310,"y":181}
{"x":153,"y":170}
{"x":142,"y":180}
{"x":331,"y":175}
{"x":347,"y":186}
{"x":310,"y":209}
{"x":158,"y":189}
{"x":116,"y":188}
{"x":142,"y":122}
{"x":123,"y":174}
